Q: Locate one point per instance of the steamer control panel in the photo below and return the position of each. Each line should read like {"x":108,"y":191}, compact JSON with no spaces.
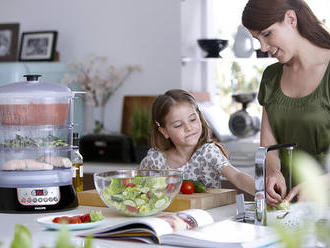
{"x":38,"y":196}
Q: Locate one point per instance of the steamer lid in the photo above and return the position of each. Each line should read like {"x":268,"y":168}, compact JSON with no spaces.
{"x":33,"y":88}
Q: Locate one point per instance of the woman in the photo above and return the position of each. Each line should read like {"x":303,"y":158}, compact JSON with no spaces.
{"x":294,"y":93}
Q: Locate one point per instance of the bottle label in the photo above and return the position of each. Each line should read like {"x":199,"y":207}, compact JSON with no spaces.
{"x":81,"y":171}
{"x":73,"y":171}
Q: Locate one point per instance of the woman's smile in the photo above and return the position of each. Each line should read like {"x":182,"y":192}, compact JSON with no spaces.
{"x":274,"y":52}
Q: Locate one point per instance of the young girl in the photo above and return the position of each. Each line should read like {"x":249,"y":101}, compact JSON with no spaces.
{"x":181,"y":140}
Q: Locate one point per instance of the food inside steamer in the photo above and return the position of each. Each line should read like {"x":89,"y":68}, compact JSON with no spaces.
{"x":45,"y":149}
{"x":34,"y":103}
{"x":34,"y":114}
{"x":25,"y":141}
{"x":43,"y":163}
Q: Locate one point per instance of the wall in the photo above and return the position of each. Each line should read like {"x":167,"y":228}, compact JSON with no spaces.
{"x":191,"y":30}
{"x":144,"y":32}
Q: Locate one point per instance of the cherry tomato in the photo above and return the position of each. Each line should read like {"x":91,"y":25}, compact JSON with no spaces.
{"x":170,"y":187}
{"x":85,"y":218}
{"x":62,"y":220}
{"x":75,"y":220}
{"x":128,"y":183}
{"x":187,"y":188}
{"x":131,"y":209}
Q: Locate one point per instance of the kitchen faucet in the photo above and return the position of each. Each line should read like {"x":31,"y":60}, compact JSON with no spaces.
{"x":260,"y":179}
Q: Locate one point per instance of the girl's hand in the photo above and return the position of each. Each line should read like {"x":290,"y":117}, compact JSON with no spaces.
{"x":275,"y":182}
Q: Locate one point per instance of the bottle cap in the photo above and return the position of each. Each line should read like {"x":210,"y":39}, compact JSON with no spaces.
{"x":75,"y":141}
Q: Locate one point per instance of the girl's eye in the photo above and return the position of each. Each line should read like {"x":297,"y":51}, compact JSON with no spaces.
{"x":192,"y":120}
{"x":177,"y":126}
{"x":267,"y":34}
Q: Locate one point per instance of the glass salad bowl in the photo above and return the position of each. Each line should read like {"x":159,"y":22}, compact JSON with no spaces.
{"x":138,"y":192}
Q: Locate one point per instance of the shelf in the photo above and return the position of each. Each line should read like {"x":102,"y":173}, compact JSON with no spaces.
{"x":185,"y":60}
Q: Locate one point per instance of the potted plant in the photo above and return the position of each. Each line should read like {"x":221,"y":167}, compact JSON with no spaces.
{"x":140,"y":132}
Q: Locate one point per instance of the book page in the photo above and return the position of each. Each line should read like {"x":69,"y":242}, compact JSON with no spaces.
{"x":226,"y":233}
{"x":156,"y":226}
{"x":184,"y":220}
{"x":152,"y":225}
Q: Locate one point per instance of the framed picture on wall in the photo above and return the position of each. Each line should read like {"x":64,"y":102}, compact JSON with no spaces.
{"x":8,"y":41}
{"x":38,"y":46}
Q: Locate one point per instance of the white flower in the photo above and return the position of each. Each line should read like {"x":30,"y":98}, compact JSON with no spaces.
{"x":99,"y":80}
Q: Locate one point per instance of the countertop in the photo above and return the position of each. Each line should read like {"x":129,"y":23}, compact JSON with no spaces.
{"x":42,"y":236}
{"x":92,"y":167}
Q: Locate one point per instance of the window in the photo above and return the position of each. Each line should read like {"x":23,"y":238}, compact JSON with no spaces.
{"x":222,"y":77}
{"x":234,"y":75}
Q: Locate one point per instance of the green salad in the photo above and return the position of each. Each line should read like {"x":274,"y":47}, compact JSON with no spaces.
{"x":138,"y":196}
{"x":20,"y":142}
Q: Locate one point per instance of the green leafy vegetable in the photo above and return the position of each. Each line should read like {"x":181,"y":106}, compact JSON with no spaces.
{"x":88,"y":242}
{"x":138,"y":196}
{"x":96,"y":215}
{"x":283,"y":205}
{"x":22,"y":142}
{"x":22,"y":238}
{"x":63,"y":239}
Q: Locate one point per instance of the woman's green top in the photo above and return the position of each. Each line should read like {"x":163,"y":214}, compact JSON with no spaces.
{"x":304,"y":121}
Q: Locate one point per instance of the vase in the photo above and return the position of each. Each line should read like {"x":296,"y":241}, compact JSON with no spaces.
{"x":98,"y":117}
{"x":243,"y":45}
{"x":94,"y":119}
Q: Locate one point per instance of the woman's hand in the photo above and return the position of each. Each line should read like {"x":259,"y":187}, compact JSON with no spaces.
{"x":295,"y":191}
{"x":275,"y":182}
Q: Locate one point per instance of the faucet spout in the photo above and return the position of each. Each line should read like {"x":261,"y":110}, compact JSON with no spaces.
{"x":260,"y":181}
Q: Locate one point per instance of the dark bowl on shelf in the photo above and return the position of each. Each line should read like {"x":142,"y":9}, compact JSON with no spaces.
{"x":212,"y":47}
{"x":261,"y":54}
{"x":246,"y":97}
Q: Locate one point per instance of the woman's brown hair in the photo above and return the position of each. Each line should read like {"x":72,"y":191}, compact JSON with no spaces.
{"x":160,"y":108}
{"x":260,"y":14}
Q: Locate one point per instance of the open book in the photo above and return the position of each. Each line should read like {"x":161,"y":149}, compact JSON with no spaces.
{"x":189,"y":228}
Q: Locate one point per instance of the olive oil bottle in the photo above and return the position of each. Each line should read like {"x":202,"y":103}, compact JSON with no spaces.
{"x":77,"y":165}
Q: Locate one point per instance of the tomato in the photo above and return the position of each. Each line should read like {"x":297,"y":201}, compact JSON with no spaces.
{"x":85,"y":218}
{"x":170,"y":187}
{"x":187,"y":188}
{"x":62,"y":220}
{"x":132,"y":209}
{"x":128,"y":183}
{"x":75,"y":220}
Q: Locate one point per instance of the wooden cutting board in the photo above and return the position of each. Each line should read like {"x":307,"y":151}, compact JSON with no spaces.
{"x":211,"y":199}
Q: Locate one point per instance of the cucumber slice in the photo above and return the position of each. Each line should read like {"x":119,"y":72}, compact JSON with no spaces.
{"x":117,"y":198}
{"x":160,"y":203}
{"x":129,"y":203}
{"x":139,"y":202}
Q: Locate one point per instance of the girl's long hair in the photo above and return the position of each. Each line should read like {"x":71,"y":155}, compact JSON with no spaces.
{"x":160,"y":108}
{"x":260,"y":14}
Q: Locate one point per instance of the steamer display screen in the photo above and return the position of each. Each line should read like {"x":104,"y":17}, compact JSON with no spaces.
{"x":39,"y":192}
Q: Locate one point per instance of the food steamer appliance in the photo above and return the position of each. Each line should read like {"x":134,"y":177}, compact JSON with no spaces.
{"x":36,"y":124}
